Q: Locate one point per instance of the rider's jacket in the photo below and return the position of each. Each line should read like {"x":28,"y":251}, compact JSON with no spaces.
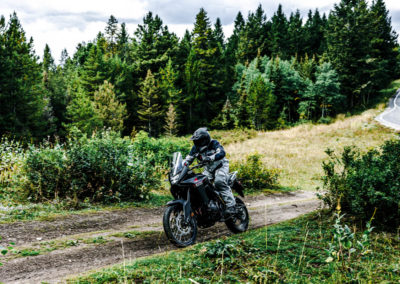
{"x":214,"y":150}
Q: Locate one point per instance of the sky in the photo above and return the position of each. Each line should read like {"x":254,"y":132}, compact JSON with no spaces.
{"x":63,"y":24}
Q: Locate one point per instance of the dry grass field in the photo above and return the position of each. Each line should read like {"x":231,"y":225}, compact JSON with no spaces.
{"x":298,"y":152}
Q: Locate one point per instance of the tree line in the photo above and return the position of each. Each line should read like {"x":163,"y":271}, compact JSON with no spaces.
{"x":270,"y":73}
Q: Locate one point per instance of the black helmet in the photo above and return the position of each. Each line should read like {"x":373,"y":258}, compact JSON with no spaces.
{"x":201,"y":137}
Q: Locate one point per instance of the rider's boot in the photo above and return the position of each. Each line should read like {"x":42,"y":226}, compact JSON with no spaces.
{"x":230,"y":211}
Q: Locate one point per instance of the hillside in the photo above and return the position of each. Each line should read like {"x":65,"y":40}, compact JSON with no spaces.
{"x":299,"y":151}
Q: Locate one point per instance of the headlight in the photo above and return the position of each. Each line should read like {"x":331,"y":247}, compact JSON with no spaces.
{"x":174,"y":179}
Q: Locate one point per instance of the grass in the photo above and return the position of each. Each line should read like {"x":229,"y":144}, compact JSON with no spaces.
{"x":290,"y":252}
{"x":298,"y":152}
{"x":44,"y":247}
{"x":53,"y":210}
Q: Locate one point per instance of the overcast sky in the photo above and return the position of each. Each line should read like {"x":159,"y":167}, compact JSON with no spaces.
{"x":63,"y":24}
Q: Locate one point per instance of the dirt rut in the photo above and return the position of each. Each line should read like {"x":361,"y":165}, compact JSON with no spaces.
{"x":57,"y":265}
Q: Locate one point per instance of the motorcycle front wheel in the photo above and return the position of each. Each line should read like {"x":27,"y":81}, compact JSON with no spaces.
{"x":240,"y":221}
{"x":179,"y":232}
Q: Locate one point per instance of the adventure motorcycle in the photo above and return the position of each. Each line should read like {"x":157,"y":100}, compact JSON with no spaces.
{"x":198,"y":203}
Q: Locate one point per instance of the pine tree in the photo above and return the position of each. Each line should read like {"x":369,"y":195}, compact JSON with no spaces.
{"x":93,"y":73}
{"x":21,"y":93}
{"x":82,"y":115}
{"x":168,"y":84}
{"x":48,"y":60}
{"x":202,"y":75}
{"x":64,"y":57}
{"x":314,"y":34}
{"x":252,"y":39}
{"x":122,"y":42}
{"x":349,"y":48}
{"x":218,"y":34}
{"x":295,"y":37}
{"x":155,"y":44}
{"x":47,"y":65}
{"x":171,"y":124}
{"x":384,"y":47}
{"x":243,"y":113}
{"x":278,"y":34}
{"x":111,"y":32}
{"x":108,"y":109}
{"x":149,"y":110}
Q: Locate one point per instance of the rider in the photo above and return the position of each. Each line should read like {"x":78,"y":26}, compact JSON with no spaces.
{"x":217,"y":166}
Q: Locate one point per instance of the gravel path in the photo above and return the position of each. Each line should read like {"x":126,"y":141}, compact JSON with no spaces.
{"x":57,"y":265}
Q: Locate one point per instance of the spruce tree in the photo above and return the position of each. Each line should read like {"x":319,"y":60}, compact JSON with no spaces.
{"x":349,"y":48}
{"x":111,"y":32}
{"x":21,"y":93}
{"x":384,"y":46}
{"x":252,"y":39}
{"x":295,"y":37}
{"x":122,"y":42}
{"x":108,"y":109}
{"x":203,"y":75}
{"x":149,"y":110}
{"x":155,"y":44}
{"x":168,"y":78}
{"x":243,"y":112}
{"x":279,"y":34}
{"x":93,"y":73}
{"x":81,"y":114}
{"x":171,"y":121}
{"x":314,"y":34}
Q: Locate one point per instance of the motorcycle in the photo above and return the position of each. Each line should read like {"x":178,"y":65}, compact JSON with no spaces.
{"x":198,"y":204}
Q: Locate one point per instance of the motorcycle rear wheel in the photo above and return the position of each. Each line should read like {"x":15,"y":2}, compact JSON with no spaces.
{"x":240,"y":221}
{"x":180,"y":233}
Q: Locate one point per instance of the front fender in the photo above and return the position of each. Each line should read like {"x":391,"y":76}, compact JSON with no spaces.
{"x":185,"y":205}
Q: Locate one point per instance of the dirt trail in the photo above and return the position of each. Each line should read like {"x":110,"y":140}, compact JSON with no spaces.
{"x":56,"y":265}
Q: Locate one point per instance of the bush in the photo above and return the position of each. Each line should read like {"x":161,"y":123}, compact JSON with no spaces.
{"x":46,"y":173}
{"x":159,"y":151}
{"x":360,"y":183}
{"x":105,"y":169}
{"x":108,"y":169}
{"x":253,"y":175}
{"x":12,"y":158}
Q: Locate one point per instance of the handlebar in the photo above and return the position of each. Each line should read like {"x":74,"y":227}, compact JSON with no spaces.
{"x":200,"y":165}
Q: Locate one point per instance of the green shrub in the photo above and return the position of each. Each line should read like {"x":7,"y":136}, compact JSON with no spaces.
{"x":46,"y":172}
{"x":254,"y":175}
{"x":360,"y":183}
{"x":12,"y":157}
{"x":159,"y":151}
{"x":108,"y":169}
{"x":104,"y":168}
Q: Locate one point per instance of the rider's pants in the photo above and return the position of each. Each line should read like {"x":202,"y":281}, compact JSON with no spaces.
{"x":221,"y":183}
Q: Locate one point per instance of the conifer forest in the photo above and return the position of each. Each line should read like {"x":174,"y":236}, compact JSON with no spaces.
{"x":274,"y":71}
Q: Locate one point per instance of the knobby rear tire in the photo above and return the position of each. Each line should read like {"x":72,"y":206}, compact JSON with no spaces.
{"x":238,"y":225}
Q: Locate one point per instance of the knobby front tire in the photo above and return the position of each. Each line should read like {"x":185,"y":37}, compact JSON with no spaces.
{"x":178,"y":232}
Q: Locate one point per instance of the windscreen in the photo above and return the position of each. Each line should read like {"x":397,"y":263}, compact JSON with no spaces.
{"x":176,"y":165}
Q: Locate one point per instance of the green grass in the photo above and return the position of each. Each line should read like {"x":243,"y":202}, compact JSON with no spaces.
{"x":290,"y":252}
{"x":52,"y":210}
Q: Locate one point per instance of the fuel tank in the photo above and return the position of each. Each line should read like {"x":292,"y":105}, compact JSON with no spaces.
{"x":196,"y":180}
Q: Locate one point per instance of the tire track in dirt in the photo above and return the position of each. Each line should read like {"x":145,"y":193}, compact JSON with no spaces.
{"x":56,"y":265}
